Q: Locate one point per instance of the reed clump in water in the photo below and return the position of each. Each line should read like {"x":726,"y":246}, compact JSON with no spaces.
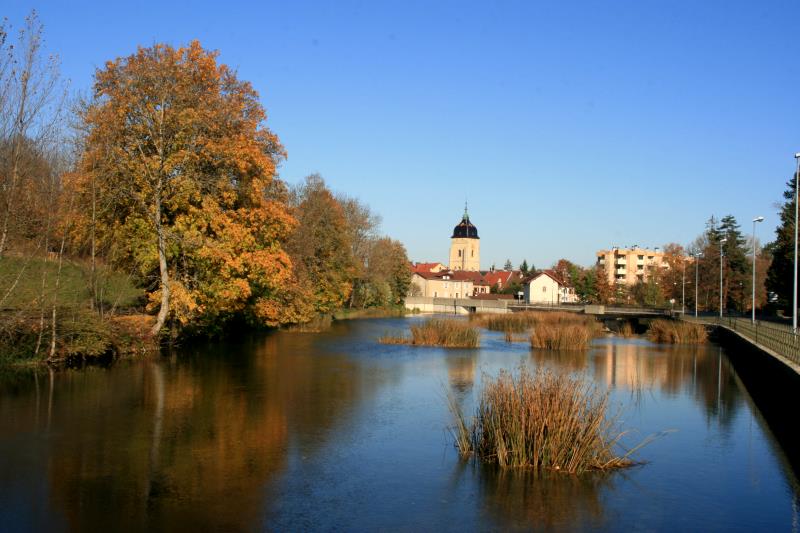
{"x":508,"y":322}
{"x":626,"y":330}
{"x":439,"y":332}
{"x":552,"y":330}
{"x":541,"y":420}
{"x":677,"y":332}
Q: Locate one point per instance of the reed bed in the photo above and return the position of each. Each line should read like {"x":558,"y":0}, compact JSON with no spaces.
{"x":439,"y":332}
{"x":562,"y":336}
{"x":626,"y":330}
{"x":677,"y":332}
{"x":508,"y":323}
{"x":541,"y":420}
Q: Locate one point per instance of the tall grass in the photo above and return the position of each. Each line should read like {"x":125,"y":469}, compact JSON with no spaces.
{"x":677,"y":332}
{"x":626,"y":330}
{"x":439,"y":332}
{"x":562,"y":337}
{"x":541,"y":420}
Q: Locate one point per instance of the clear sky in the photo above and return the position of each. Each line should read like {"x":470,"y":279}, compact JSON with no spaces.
{"x":568,"y":126}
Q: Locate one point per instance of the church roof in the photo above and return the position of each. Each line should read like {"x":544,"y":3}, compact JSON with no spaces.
{"x":465,"y":228}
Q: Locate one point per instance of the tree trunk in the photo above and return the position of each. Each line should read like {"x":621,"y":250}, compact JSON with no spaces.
{"x":162,"y":266}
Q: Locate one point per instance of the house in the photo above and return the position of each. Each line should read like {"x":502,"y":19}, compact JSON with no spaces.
{"x":628,"y":266}
{"x":443,"y":284}
{"x":547,"y":287}
{"x":502,"y":278}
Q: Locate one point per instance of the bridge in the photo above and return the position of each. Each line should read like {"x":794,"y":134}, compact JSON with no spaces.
{"x":777,"y":340}
{"x":463,"y":306}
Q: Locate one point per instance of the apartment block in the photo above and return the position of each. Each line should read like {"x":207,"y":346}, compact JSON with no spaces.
{"x":630,"y":265}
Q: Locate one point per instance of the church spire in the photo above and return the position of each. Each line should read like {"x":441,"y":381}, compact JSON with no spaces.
{"x":466,"y":215}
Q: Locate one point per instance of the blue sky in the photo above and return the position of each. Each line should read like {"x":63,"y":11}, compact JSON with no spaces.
{"x":568,"y":126}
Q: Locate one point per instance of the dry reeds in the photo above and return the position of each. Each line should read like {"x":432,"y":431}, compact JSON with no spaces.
{"x":626,"y":330}
{"x":551,"y":330}
{"x":439,"y":332}
{"x":677,"y":332}
{"x":562,"y":336}
{"x":541,"y":420}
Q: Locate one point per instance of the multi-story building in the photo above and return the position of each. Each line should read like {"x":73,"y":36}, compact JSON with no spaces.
{"x":630,"y":265}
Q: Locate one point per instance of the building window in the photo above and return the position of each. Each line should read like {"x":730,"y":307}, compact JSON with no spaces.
{"x":435,"y":294}
{"x":472,"y":253}
{"x":459,"y":253}
{"x":456,"y":295}
{"x":544,"y":289}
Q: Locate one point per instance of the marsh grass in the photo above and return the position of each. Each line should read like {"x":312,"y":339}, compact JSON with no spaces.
{"x":676,"y":332}
{"x":626,"y":330}
{"x":439,"y":332}
{"x":542,"y":420}
{"x":550,"y":330}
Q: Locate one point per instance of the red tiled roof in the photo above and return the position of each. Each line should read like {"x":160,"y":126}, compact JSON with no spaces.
{"x":423,"y":267}
{"x":549,"y":273}
{"x":502,"y":277}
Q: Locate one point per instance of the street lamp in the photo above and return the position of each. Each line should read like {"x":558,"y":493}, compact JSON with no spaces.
{"x":697,"y":257}
{"x":721,"y":242}
{"x":683,"y":285}
{"x":757,"y":219}
{"x":794,"y":287}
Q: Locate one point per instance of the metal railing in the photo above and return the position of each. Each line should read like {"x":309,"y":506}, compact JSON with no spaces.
{"x":777,"y":337}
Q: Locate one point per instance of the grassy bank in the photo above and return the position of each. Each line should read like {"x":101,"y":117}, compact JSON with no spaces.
{"x":541,"y":420}
{"x":448,"y":333}
{"x":676,"y":332}
{"x":30,"y":287}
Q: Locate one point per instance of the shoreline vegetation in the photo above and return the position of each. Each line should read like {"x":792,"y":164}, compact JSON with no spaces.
{"x":541,"y":420}
{"x":677,"y":332}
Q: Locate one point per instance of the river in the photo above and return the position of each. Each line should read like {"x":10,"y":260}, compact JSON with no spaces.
{"x":298,"y":431}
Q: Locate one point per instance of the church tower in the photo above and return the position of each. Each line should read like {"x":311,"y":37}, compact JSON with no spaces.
{"x":465,"y":246}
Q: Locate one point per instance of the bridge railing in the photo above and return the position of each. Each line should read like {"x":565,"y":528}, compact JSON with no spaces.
{"x":777,"y":337}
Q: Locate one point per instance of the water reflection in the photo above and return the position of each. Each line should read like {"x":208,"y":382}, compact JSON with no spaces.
{"x":187,"y":443}
{"x":332,"y":430}
{"x":516,"y":500}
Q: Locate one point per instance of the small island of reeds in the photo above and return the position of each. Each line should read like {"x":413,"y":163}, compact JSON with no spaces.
{"x":542,"y":420}
{"x":677,"y":332}
{"x":448,"y":333}
{"x":550,"y":330}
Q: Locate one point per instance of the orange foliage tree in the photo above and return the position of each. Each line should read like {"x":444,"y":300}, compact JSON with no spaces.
{"x":176,"y":152}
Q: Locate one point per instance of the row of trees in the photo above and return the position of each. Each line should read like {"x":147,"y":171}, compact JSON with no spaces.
{"x":674,"y":282}
{"x":169,"y":174}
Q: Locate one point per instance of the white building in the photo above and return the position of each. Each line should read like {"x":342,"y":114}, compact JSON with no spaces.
{"x":547,"y":288}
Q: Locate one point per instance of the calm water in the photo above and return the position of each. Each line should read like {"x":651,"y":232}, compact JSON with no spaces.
{"x":301,"y":431}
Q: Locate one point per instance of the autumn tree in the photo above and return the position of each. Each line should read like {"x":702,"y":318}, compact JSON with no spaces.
{"x":388,"y":276}
{"x":320,"y":247}
{"x":176,"y":144}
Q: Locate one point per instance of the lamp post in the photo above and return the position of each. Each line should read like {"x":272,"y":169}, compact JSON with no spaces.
{"x":721,"y":242}
{"x":696,"y":278}
{"x":683,"y":286}
{"x":794,"y":286}
{"x":755,"y":220}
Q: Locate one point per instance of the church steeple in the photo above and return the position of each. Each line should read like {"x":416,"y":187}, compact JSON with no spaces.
{"x":465,"y":245}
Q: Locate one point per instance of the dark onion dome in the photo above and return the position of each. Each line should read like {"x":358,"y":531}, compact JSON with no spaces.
{"x":465,"y":228}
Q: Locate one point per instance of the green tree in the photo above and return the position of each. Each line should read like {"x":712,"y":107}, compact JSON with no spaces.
{"x":524,"y":266}
{"x":780,"y":273}
{"x":508,"y":265}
